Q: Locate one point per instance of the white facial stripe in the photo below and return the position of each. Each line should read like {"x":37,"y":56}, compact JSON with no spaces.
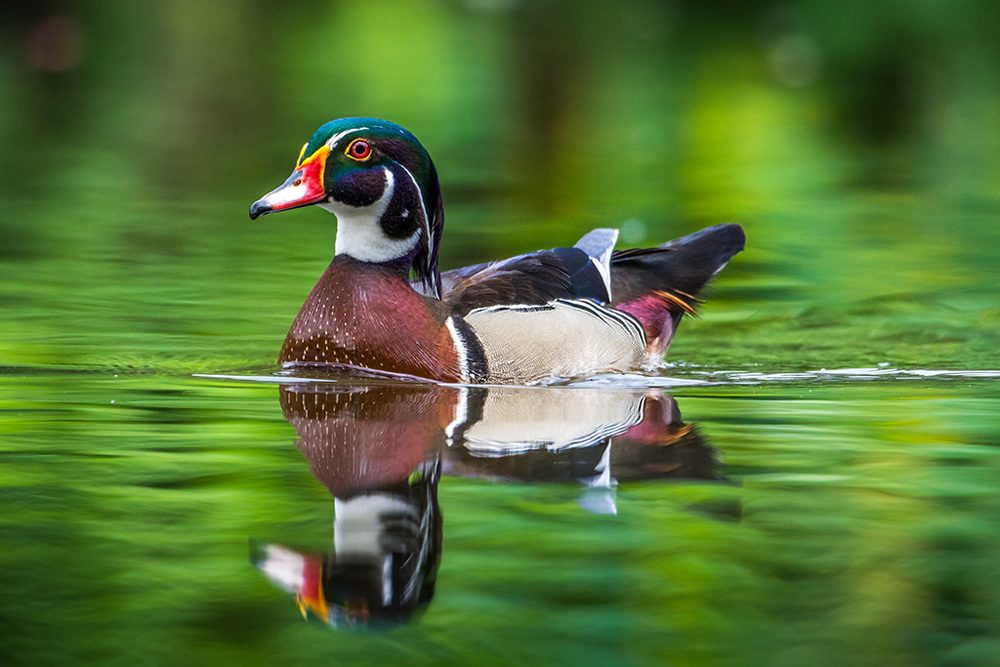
{"x":285,"y":195}
{"x":332,"y":141}
{"x":359,"y":233}
{"x":427,"y":220}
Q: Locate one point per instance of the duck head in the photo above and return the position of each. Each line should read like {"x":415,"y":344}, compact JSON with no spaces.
{"x":382,"y":186}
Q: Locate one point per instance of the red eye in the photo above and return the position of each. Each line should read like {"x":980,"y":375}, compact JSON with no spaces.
{"x":359,"y":149}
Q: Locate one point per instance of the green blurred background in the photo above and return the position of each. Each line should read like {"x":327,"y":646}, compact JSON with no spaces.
{"x":857,"y":143}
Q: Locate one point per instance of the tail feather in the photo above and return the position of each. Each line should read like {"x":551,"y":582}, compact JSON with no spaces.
{"x":659,"y":285}
{"x":684,"y":303}
{"x":681,"y":267}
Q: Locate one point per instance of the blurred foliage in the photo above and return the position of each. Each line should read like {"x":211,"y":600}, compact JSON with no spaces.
{"x":859,"y":148}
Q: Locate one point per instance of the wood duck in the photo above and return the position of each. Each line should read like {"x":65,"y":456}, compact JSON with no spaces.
{"x":565,"y":312}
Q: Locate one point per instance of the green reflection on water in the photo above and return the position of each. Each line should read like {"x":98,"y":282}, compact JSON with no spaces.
{"x":856,"y":525}
{"x":862,"y":160}
{"x":869,"y":195}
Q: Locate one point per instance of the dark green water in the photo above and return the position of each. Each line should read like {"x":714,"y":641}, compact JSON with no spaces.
{"x":764,"y":504}
{"x":847,"y":522}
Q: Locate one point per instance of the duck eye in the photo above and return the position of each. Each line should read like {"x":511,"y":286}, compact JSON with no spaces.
{"x":359,"y":149}
{"x":298,"y":182}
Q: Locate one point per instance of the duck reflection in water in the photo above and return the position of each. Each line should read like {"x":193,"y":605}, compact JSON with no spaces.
{"x":380,"y":450}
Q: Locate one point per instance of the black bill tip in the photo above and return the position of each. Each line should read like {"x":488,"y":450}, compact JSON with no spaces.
{"x":259,"y":208}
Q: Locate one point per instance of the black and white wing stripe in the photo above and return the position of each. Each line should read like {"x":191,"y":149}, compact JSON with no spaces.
{"x":608,"y":315}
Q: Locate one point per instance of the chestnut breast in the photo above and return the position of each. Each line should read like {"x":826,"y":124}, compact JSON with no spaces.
{"x":361,"y":314}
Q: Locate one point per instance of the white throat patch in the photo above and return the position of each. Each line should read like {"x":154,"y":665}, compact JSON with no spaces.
{"x":359,"y":233}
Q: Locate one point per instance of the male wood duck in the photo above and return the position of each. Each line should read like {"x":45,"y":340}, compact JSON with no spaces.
{"x":566,"y":312}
